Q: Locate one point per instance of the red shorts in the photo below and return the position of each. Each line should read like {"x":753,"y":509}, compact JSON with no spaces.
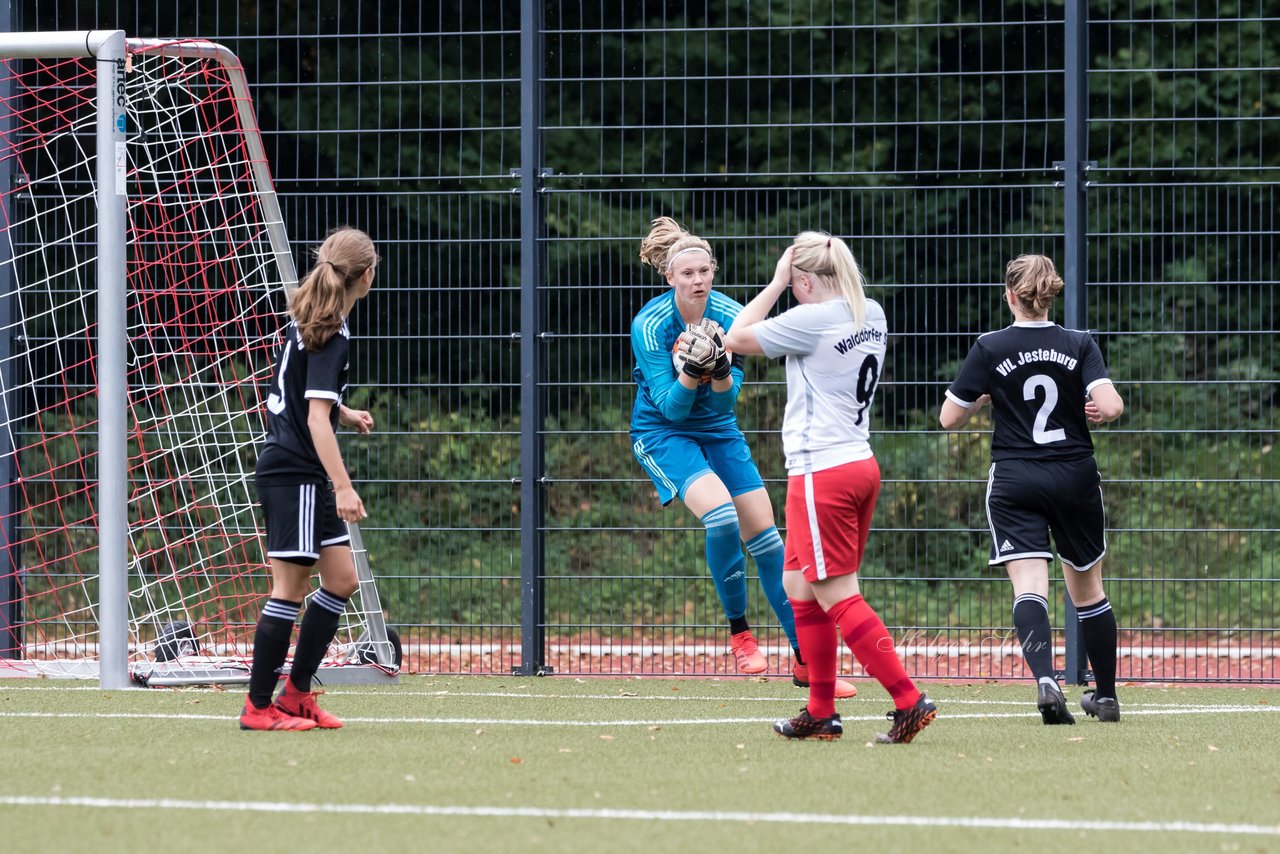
{"x":829,"y":519}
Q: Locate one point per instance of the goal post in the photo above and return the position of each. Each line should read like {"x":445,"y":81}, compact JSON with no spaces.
{"x":143,"y":278}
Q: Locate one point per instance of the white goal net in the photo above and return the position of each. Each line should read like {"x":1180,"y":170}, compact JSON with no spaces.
{"x":207,"y":268}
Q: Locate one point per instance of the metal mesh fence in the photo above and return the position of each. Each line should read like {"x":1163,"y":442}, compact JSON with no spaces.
{"x":928,"y":144}
{"x":929,"y":135}
{"x":1183,"y":257}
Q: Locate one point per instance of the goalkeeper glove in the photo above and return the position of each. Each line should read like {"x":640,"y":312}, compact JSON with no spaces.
{"x":714,"y":332}
{"x":696,"y":353}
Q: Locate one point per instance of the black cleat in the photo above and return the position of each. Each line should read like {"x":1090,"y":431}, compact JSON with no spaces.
{"x":1052,"y":705}
{"x":805,"y":725}
{"x":1105,"y":709}
{"x":907,"y":723}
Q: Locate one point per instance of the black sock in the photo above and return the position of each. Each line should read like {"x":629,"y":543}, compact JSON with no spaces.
{"x":1098,"y":625}
{"x":270,"y":648}
{"x":795,"y":650}
{"x":1031,"y":618}
{"x":738,"y":625}
{"x":319,"y":625}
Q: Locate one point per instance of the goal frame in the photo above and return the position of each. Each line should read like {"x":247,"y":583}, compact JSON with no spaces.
{"x":109,"y":49}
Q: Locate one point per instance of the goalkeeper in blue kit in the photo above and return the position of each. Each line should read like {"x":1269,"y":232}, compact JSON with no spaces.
{"x":685,"y":434}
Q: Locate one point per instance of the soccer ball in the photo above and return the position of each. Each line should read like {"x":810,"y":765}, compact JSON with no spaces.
{"x":175,"y":640}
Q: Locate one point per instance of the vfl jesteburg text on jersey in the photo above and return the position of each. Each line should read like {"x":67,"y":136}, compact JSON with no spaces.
{"x":1039,"y":376}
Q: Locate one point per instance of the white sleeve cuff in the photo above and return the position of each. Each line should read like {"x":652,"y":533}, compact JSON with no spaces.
{"x":1091,"y":386}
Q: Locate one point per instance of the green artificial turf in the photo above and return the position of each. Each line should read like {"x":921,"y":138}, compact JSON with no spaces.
{"x":631,"y":765}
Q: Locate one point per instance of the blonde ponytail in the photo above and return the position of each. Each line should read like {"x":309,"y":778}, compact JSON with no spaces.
{"x":666,"y":240}
{"x":830,"y":259}
{"x":318,"y":301}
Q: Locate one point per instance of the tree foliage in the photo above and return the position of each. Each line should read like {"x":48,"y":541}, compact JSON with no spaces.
{"x":926,"y":132}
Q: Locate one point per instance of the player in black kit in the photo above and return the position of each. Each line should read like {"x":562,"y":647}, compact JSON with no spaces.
{"x":1045,"y":384}
{"x":304,"y":488}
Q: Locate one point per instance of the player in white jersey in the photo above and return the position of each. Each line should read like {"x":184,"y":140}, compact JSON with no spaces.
{"x":835,"y":344}
{"x":1046,"y":385}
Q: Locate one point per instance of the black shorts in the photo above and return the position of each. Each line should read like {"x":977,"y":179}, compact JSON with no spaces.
{"x":1028,"y":500}
{"x":301,"y":520}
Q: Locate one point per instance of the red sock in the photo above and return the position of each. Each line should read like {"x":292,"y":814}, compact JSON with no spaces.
{"x":869,"y":641}
{"x":817,"y":636}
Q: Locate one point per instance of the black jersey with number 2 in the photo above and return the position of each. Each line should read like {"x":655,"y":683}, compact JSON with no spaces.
{"x":1038,"y":375}
{"x":289,"y":455}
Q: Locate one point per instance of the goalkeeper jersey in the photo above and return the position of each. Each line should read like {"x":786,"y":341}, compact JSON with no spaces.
{"x":289,"y":456}
{"x":658,"y":405}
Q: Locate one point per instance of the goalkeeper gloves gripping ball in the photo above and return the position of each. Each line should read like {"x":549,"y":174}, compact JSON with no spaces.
{"x":695,"y":352}
{"x":714,"y":333}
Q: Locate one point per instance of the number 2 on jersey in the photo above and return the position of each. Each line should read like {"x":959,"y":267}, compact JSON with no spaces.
{"x":868,"y":376}
{"x":1038,"y":433}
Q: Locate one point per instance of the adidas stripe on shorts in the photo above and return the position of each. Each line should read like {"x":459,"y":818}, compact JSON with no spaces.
{"x":1027,"y":501}
{"x":301,"y":520}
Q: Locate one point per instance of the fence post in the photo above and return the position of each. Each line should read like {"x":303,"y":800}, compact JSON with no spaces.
{"x":532,"y":271}
{"x":1075,"y":167}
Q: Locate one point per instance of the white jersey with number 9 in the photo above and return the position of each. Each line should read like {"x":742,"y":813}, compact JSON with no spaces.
{"x":833,"y":370}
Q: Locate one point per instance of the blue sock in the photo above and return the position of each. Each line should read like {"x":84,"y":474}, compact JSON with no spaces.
{"x":766,"y":547}
{"x":725,"y":559}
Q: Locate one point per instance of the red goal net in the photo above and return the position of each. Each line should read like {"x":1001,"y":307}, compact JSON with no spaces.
{"x":207,"y":270}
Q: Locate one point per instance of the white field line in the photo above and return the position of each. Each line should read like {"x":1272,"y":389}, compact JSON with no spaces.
{"x":800,"y":695}
{"x":518,"y":694}
{"x":976,"y":822}
{"x":536,"y":722}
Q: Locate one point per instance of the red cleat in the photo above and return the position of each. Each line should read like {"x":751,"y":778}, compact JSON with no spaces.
{"x":302,"y":704}
{"x":746,"y":653}
{"x":800,"y":678}
{"x":271,"y":718}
